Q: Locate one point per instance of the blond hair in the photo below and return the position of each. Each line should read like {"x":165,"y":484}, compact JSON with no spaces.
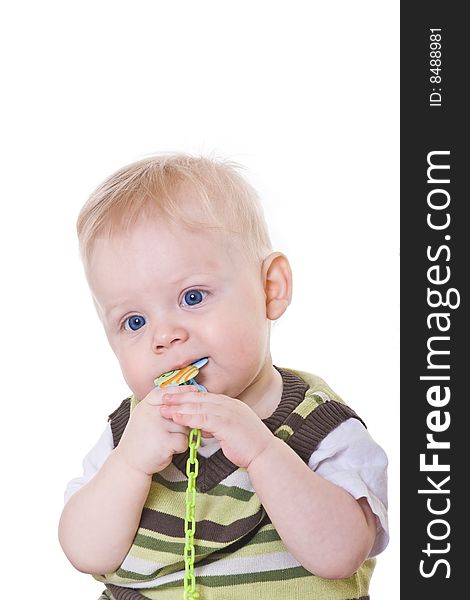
{"x":160,"y":184}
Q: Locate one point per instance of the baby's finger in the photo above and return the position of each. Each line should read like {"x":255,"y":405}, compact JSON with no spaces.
{"x":208,"y":423}
{"x":155,"y":396}
{"x":189,"y":396}
{"x":179,"y":443}
{"x":193,"y":408}
{"x":173,"y":427}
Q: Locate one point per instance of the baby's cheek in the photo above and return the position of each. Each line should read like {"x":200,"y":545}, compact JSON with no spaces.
{"x":244,"y":341}
{"x":134,"y":373}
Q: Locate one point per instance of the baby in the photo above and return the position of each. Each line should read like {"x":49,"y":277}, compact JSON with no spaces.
{"x":291,"y":488}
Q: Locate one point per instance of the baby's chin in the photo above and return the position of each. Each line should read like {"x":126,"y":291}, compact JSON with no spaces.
{"x":216,"y":381}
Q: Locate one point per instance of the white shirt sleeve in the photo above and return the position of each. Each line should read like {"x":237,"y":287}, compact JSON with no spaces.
{"x":350,"y":458}
{"x":92,"y":462}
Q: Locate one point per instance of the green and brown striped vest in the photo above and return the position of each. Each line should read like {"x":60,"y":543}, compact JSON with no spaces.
{"x":238,"y":552}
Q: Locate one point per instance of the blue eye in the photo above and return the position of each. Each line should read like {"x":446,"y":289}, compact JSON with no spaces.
{"x":134,"y":323}
{"x":193,"y":297}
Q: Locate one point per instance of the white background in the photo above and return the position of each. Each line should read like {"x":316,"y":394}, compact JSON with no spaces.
{"x":305,"y":95}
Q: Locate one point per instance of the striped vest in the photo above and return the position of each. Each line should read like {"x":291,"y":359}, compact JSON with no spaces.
{"x":238,"y":552}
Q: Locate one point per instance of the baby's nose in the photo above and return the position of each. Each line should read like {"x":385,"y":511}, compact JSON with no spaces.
{"x":166,"y":335}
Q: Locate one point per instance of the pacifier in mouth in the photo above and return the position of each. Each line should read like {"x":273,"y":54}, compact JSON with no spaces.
{"x":184,"y":376}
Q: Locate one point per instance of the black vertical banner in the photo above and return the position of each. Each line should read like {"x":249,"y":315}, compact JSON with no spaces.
{"x":435,"y":267}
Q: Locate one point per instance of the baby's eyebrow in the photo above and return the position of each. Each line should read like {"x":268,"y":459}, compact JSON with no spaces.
{"x":118,"y":306}
{"x":210,"y":271}
{"x":112,"y":309}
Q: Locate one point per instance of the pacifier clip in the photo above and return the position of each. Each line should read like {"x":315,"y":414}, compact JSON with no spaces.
{"x":186,"y":376}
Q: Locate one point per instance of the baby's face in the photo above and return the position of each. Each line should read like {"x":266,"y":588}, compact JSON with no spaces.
{"x":168,"y":296}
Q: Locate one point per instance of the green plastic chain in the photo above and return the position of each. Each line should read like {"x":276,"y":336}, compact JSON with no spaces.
{"x":192,"y":470}
{"x":186,"y":376}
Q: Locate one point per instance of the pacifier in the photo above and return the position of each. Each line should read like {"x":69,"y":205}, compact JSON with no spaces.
{"x":184,"y":376}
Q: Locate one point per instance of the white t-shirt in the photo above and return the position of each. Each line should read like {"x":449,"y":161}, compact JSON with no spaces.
{"x":348,"y":457}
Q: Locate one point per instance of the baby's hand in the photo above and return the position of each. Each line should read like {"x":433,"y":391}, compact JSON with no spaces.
{"x":241,"y":433}
{"x":149,"y":439}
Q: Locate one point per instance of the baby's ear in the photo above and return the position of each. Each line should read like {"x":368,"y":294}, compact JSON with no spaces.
{"x":277,"y":280}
